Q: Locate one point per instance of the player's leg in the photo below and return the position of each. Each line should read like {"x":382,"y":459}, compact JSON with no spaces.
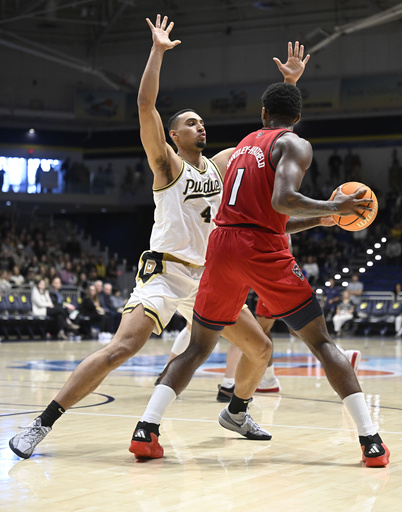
{"x":269,"y":382}
{"x":134,"y":330}
{"x":225,"y":390}
{"x":173,"y":380}
{"x":343,"y":379}
{"x":256,"y":350}
{"x":180,"y":344}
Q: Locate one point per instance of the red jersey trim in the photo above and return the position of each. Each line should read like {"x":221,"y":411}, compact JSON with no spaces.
{"x":296,"y":309}
{"x":271,"y":148}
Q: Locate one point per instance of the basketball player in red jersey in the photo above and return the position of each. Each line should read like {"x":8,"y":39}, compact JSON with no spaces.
{"x":248,"y":249}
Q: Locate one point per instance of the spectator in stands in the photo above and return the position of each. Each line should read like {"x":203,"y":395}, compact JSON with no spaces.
{"x":112,"y":315}
{"x":127,"y":186}
{"x":16,"y":278}
{"x":332,"y":299}
{"x":62,"y":306}
{"x":30,"y":277}
{"x":344,"y":313}
{"x":91,"y":264}
{"x":19,"y":256}
{"x":395,"y":172}
{"x":52,"y":273}
{"x":5,"y":284}
{"x":82,"y":281}
{"x":2,"y":174}
{"x":348,"y":165}
{"x":67,"y":274}
{"x":100,"y":268}
{"x":34,"y":265}
{"x":99,"y":286}
{"x":42,"y":306}
{"x":43,"y":271}
{"x":93,"y":277}
{"x":73,"y":246}
{"x":335,"y":166}
{"x":117,"y":300}
{"x":311,"y":269}
{"x":393,"y":251}
{"x":112,"y":272}
{"x":38,"y":178}
{"x":109,"y":175}
{"x":6,"y":259}
{"x":398,"y":318}
{"x":355,"y":289}
{"x":91,"y":308}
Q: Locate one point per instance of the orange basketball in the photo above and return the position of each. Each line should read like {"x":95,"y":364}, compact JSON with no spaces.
{"x":352,"y":222}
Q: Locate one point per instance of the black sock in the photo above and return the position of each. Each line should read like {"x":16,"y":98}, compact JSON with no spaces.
{"x":52,"y":413}
{"x":149,"y":427}
{"x":238,"y":404}
{"x":368,"y":440}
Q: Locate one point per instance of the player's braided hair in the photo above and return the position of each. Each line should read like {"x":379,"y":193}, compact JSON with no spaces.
{"x":282,"y":100}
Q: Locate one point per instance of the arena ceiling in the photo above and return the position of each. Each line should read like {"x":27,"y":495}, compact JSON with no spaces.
{"x":77,"y":33}
{"x":42,"y":27}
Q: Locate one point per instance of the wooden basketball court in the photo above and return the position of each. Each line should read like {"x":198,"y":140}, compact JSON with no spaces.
{"x":312,"y":463}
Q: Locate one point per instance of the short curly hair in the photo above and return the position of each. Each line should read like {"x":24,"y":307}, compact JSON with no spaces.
{"x":283,"y":100}
{"x":172,"y":121}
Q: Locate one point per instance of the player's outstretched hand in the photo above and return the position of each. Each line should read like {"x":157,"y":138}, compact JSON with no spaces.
{"x":294,"y":67}
{"x":161,"y":33}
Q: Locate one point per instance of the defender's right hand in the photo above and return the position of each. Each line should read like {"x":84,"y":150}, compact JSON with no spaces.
{"x":161,"y":32}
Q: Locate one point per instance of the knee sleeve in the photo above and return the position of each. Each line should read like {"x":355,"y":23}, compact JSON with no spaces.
{"x":181,"y":342}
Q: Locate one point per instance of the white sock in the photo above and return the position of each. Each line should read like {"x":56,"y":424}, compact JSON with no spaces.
{"x":357,"y":407}
{"x":269,"y":372}
{"x":228,"y":383}
{"x":160,"y":400}
{"x":181,"y":342}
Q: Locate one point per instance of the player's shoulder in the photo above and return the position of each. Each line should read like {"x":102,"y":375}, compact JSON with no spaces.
{"x":291,"y":140}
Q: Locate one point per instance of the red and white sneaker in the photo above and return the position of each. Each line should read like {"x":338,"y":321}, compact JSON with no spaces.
{"x":144,"y":443}
{"x":354,"y":357}
{"x":375,"y":453}
{"x":269,"y":385}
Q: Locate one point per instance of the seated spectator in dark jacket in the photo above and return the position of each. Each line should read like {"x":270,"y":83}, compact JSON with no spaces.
{"x":90,"y":307}
{"x":60,"y":304}
{"x":105,"y":298}
{"x":332,"y":298}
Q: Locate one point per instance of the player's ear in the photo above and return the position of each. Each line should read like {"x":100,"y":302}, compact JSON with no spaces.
{"x":264,"y":115}
{"x":297,"y":119}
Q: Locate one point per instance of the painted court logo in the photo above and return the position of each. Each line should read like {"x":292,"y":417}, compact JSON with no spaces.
{"x":297,"y":272}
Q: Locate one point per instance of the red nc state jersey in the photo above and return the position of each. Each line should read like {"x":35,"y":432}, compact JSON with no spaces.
{"x":249,"y":183}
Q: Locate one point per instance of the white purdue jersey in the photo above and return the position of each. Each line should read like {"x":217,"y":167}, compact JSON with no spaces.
{"x":184,"y":212}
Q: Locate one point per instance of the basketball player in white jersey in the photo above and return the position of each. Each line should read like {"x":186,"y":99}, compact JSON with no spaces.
{"x":187,"y":192}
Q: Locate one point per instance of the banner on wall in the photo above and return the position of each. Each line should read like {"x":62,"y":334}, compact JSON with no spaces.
{"x":102,"y":105}
{"x":217,"y":103}
{"x":367,"y":93}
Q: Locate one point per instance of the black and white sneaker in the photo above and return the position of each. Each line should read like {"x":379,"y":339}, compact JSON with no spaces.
{"x":24,"y":443}
{"x":243,"y":424}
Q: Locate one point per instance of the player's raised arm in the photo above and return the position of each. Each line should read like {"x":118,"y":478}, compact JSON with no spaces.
{"x":294,"y":67}
{"x":161,"y":157}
